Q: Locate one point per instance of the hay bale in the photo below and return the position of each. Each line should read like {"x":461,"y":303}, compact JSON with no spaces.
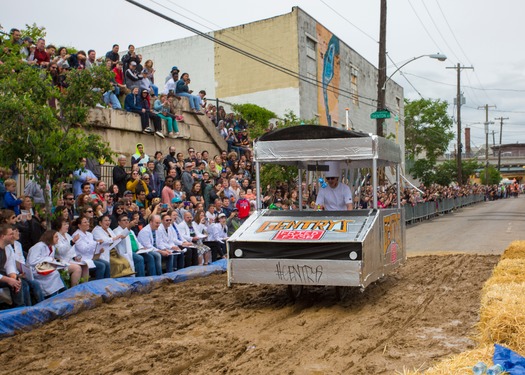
{"x":502,"y":317}
{"x":459,"y":364}
{"x":516,"y":250}
{"x":510,"y":270}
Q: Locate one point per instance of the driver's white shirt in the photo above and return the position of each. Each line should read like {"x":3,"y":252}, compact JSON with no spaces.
{"x":334,"y":199}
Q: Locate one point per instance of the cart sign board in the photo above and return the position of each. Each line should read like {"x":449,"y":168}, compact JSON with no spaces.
{"x":380,"y":114}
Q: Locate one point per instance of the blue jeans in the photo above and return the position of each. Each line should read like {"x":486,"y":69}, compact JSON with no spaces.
{"x":32,"y":288}
{"x":102,"y":270}
{"x":155,"y":89}
{"x":111,"y":99}
{"x":149,"y":259}
{"x":178,"y":261}
{"x":139,"y":265}
{"x":158,"y":263}
{"x":195,"y":101}
{"x":169,"y":262}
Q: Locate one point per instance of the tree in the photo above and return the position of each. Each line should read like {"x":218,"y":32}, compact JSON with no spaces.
{"x":49,"y":138}
{"x":447,"y":172}
{"x":493,"y":174}
{"x":427,"y":135}
{"x":427,"y":128}
{"x":256,"y":117}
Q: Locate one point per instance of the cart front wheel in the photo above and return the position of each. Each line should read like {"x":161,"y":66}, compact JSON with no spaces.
{"x":341,"y":292}
{"x":295,"y":291}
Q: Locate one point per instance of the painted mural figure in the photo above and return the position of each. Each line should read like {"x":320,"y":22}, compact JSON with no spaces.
{"x":328,"y":72}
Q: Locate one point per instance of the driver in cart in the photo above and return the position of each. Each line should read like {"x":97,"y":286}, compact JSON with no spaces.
{"x":334,"y":195}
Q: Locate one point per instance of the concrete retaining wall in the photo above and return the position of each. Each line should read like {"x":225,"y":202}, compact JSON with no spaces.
{"x":122,"y":131}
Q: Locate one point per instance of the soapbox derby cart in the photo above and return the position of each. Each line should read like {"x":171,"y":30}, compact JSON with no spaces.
{"x":320,"y":248}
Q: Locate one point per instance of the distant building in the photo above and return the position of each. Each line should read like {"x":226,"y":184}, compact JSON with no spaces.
{"x":326,"y":75}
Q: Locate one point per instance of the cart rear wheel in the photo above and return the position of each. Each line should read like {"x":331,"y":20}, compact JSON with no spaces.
{"x":341,"y":292}
{"x":295,"y":291}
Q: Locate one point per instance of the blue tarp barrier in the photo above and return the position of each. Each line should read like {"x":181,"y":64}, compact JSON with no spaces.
{"x":513,"y":363}
{"x":89,"y":295}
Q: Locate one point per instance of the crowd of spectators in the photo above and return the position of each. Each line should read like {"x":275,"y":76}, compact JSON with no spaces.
{"x":158,"y":213}
{"x":132,"y":84}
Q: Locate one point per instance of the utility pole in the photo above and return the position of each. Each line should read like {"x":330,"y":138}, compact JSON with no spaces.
{"x":500,"y":138}
{"x":486,"y":107}
{"x":493,"y":143}
{"x":458,"y":104}
{"x":381,"y":73}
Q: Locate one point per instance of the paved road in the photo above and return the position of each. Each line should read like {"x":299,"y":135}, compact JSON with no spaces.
{"x":484,"y":228}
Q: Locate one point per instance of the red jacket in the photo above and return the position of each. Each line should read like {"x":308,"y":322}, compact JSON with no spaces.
{"x":119,"y":76}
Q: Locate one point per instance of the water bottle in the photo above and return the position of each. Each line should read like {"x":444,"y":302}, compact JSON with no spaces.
{"x":479,"y":369}
{"x":495,"y":370}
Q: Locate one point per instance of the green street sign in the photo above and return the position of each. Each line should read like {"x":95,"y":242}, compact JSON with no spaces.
{"x":380,"y":114}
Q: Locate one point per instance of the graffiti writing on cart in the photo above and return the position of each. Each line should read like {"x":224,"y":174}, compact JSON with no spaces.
{"x":303,"y":274}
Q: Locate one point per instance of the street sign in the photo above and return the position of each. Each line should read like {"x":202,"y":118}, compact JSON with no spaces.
{"x":380,"y":114}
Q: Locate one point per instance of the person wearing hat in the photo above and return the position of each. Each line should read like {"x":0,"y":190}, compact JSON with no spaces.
{"x":187,"y":178}
{"x":148,"y":113}
{"x":170,"y":76}
{"x":171,"y":83}
{"x":132,"y":77}
{"x":336,"y":196}
{"x":25,"y":49}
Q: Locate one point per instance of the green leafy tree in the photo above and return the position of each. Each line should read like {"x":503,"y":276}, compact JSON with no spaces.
{"x":494,"y":176}
{"x":427,"y":128}
{"x":48,"y":140}
{"x":424,"y":170}
{"x":427,"y":135}
{"x":447,"y":172}
{"x":256,"y":117}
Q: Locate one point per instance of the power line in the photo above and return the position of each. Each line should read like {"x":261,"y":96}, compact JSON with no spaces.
{"x":461,"y":48}
{"x":248,"y":44}
{"x":270,"y":64}
{"x":400,"y":72}
{"x":471,"y":87}
{"x":424,"y":27}
{"x":437,"y":29}
{"x":350,"y":23}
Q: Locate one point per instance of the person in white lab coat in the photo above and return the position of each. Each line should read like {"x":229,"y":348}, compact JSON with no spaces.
{"x":65,"y":252}
{"x":44,"y":251}
{"x":129,"y":246}
{"x":119,"y":265}
{"x":86,"y":246}
{"x":15,"y":255}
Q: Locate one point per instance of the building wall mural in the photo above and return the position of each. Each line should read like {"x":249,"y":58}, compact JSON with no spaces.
{"x":329,"y":69}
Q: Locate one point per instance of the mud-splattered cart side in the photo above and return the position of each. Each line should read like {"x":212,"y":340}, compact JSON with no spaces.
{"x":308,"y":247}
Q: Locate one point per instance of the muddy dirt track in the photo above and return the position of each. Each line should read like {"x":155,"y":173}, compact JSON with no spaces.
{"x":420,"y":313}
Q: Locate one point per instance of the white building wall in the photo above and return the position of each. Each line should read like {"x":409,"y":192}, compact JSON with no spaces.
{"x":193,"y":55}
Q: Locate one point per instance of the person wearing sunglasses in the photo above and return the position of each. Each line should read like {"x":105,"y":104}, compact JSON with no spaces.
{"x":335,"y":196}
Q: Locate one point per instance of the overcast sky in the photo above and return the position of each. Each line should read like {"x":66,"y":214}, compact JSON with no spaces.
{"x":478,"y":33}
